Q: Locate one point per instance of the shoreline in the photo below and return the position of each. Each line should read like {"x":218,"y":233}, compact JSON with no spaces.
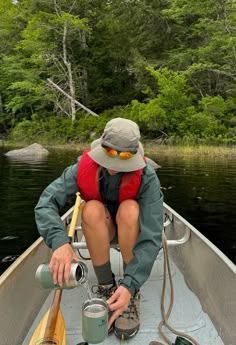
{"x":150,"y":148}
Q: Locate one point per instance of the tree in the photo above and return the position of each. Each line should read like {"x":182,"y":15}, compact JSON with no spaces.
{"x":203,"y":44}
{"x":47,"y":43}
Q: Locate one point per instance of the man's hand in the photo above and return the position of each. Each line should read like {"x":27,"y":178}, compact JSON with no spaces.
{"x":118,"y":303}
{"x":60,"y":263}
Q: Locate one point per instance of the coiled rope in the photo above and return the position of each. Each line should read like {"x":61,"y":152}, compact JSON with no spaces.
{"x":165,"y":316}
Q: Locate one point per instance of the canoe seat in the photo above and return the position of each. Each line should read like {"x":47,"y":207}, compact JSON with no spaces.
{"x":80,"y":243}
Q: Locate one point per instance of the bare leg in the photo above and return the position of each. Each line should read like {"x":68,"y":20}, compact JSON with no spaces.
{"x":128,"y":228}
{"x":99,"y":229}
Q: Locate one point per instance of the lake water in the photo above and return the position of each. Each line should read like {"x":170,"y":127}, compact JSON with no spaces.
{"x":201,"y":189}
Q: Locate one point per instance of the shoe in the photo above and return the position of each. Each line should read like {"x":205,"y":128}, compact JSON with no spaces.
{"x":105,"y":292}
{"x":127,"y":325}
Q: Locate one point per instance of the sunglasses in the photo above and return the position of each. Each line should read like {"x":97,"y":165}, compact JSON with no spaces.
{"x":122,"y":154}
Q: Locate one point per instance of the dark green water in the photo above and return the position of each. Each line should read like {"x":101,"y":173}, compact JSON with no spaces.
{"x":201,"y":189}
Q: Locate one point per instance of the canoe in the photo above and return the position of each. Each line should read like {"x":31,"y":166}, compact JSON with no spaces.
{"x":204,"y":283}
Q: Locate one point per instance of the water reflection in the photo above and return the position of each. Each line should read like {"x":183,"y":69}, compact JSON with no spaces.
{"x":21,"y":183}
{"x":29,"y":160}
{"x":202,"y":190}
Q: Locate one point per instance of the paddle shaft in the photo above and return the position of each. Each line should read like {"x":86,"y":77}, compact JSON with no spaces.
{"x":75,"y":215}
{"x":52,"y":325}
{"x":54,"y":309}
{"x":53,"y":315}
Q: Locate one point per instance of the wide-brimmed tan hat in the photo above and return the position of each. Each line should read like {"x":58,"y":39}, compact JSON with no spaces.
{"x":122,"y":135}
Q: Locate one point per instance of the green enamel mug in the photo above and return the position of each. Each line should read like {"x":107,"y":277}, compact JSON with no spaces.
{"x":94,"y":320}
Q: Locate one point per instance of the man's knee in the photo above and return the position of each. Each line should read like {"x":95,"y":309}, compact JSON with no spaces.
{"x":93,"y":211}
{"x":128,"y":211}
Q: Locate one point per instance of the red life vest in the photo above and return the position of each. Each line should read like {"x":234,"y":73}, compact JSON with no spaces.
{"x":89,"y":187}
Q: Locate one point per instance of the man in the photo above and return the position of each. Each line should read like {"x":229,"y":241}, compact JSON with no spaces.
{"x":124,"y":203}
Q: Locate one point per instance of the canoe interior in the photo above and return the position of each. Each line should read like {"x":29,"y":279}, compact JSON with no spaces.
{"x":187,"y":316}
{"x":20,"y":295}
{"x":204,"y":287}
{"x":208,"y":273}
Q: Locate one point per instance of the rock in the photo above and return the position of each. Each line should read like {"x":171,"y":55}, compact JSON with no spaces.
{"x":31,"y":150}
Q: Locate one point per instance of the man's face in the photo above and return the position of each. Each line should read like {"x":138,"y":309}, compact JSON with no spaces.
{"x":112,"y":172}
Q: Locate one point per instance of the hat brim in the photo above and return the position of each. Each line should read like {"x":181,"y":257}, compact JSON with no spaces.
{"x":115,"y":163}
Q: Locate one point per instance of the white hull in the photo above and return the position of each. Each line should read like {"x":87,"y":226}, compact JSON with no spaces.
{"x":204,"y":283}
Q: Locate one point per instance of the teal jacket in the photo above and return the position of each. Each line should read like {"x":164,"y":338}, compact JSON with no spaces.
{"x":150,"y":200}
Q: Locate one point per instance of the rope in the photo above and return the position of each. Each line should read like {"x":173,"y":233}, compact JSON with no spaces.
{"x":165,"y":316}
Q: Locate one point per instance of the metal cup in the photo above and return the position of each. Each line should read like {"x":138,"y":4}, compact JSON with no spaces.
{"x":94,"y":320}
{"x":78,"y":275}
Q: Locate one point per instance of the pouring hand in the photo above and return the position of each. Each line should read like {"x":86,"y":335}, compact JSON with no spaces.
{"x":60,"y":263}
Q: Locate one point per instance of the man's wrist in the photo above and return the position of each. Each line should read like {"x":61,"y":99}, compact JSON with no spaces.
{"x":60,"y":242}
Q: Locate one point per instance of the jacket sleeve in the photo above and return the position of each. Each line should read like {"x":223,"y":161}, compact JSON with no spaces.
{"x":53,"y":198}
{"x":148,"y":244}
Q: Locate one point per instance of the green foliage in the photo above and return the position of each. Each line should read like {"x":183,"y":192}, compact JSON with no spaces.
{"x":203,"y":44}
{"x":202,"y":125}
{"x":175,"y":111}
{"x":167,"y":64}
{"x":214,"y":106}
{"x":57,"y":130}
{"x":11,"y":23}
{"x":170,"y":107}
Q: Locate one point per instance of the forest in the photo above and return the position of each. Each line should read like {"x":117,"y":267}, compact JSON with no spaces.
{"x":68,"y":66}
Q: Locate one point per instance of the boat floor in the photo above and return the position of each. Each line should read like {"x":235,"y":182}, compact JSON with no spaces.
{"x":187,"y":314}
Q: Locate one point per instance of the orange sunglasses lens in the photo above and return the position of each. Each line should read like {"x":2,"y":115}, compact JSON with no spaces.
{"x":110,"y":152}
{"x":126,"y":155}
{"x":113,"y":153}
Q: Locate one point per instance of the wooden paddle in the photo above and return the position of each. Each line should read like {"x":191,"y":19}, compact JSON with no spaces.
{"x":51,"y":328}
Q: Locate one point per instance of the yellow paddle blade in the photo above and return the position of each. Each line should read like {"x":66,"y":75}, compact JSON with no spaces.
{"x":51,"y":328}
{"x":56,"y":337}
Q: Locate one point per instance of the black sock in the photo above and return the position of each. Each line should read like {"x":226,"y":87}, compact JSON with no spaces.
{"x":104,"y":273}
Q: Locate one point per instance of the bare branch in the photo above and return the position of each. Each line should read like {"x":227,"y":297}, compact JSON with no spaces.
{"x":59,"y":65}
{"x":68,"y":96}
{"x":196,"y":87}
{"x":72,"y":6}
{"x":62,"y":109}
{"x":56,"y":8}
{"x":222,"y":73}
{"x":70,"y":77}
{"x":64,"y":44}
{"x":216,"y":71}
